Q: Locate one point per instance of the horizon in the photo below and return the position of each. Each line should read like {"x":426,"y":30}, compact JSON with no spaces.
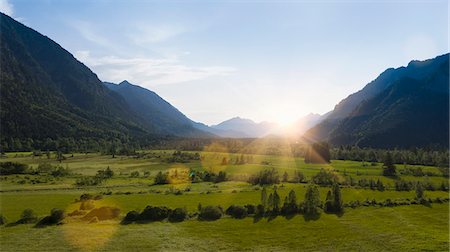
{"x":278,"y":64}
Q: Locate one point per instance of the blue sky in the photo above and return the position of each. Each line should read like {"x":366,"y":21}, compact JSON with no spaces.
{"x":263,"y":60}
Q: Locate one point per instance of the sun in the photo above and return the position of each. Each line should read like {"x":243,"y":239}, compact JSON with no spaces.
{"x":285,"y":119}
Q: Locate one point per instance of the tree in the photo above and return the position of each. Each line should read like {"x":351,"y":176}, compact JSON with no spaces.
{"x":419,"y":191}
{"x":276,"y":201}
{"x":312,"y":203}
{"x":105,"y":174}
{"x":328,"y":207}
{"x":222,"y":176}
{"x":337,"y":198}
{"x":299,"y":177}
{"x":380,"y":186}
{"x":265,"y":177}
{"x":264,"y":197}
{"x":325,"y":177}
{"x":388,"y":166}
{"x":270,"y":201}
{"x":290,"y":204}
{"x":59,"y":156}
{"x":285,"y":177}
{"x":113,"y":149}
{"x":292,"y":198}
{"x":161,"y":178}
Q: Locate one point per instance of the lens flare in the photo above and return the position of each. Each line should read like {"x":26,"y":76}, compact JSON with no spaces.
{"x":91,"y":229}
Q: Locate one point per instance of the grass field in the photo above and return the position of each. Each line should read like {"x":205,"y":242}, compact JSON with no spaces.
{"x":406,"y":228}
{"x":401,"y":228}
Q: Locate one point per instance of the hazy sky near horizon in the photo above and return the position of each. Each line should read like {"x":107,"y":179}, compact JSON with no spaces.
{"x":263,"y":60}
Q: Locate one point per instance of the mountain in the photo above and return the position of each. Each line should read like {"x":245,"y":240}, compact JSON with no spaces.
{"x":241,"y":127}
{"x":403,"y":107}
{"x":156,"y":111}
{"x":47,"y":94}
{"x":218,"y":132}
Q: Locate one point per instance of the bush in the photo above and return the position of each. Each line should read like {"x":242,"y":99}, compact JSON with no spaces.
{"x":161,"y":178}
{"x":8,"y":168}
{"x":260,"y":211}
{"x":60,"y":171}
{"x":86,"y":196}
{"x":55,"y":217}
{"x":251,"y":209}
{"x":88,"y":181}
{"x":131,"y":217}
{"x":178,"y":215}
{"x":134,"y":174}
{"x":237,"y":212}
{"x":266,"y":177}
{"x":325,"y":177}
{"x":28,"y":216}
{"x":154,"y":213}
{"x":210,"y":213}
{"x":2,"y":220}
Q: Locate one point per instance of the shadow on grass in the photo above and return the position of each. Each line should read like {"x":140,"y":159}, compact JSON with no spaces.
{"x":271,"y":217}
{"x":289,"y":216}
{"x":22,"y":221}
{"x":257,"y":218}
{"x":311,"y":217}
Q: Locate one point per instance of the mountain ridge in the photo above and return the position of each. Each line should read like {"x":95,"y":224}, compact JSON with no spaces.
{"x":362,"y":126}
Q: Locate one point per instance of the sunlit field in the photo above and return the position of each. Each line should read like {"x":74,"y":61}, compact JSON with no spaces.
{"x":406,"y":227}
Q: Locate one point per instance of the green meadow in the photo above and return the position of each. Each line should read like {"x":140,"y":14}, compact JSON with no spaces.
{"x":368,"y":228}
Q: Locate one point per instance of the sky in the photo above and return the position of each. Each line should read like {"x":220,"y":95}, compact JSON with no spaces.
{"x":263,"y":60}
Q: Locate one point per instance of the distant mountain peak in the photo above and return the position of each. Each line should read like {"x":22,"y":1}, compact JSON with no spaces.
{"x":125,"y":82}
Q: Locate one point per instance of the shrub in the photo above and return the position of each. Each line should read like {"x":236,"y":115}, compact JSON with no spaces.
{"x":55,"y":217}
{"x":260,"y":211}
{"x":2,"y":220}
{"x":151,"y":213}
{"x":237,"y":212}
{"x":131,"y":216}
{"x":134,"y":174}
{"x":60,"y":171}
{"x":325,"y":177}
{"x":251,"y":209}
{"x":88,"y":181}
{"x":266,"y":177}
{"x":28,"y":216}
{"x":178,"y":215}
{"x":210,"y":213}
{"x":161,"y":178}
{"x":8,"y":168}
{"x":86,"y":196}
